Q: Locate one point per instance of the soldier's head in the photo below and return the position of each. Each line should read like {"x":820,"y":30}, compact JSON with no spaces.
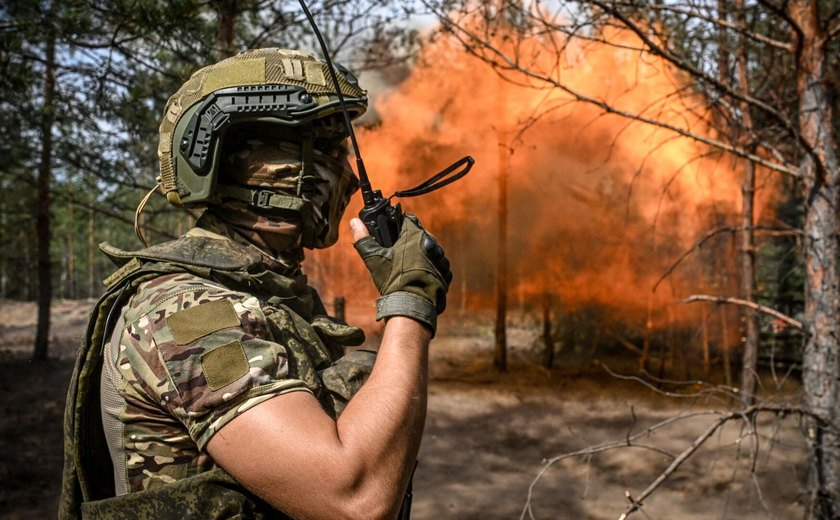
{"x":259,"y":139}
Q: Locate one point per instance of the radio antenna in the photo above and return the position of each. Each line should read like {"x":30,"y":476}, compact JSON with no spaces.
{"x":383,"y":220}
{"x":364,"y":183}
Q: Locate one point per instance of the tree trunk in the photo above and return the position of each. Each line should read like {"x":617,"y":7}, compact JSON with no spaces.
{"x":500,"y":353}
{"x":724,"y":344}
{"x":70,"y":288}
{"x":548,"y":339}
{"x":643,"y":359}
{"x":704,"y":339}
{"x":724,"y":73}
{"x":461,"y":245}
{"x":5,"y":238}
{"x":43,"y":209}
{"x":339,"y":304}
{"x":749,"y":359}
{"x":91,"y":254}
{"x":28,"y":287}
{"x":821,"y":363}
{"x":749,"y":366}
{"x":723,"y":43}
{"x":228,"y":11}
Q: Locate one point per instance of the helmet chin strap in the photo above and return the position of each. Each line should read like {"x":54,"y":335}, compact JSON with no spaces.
{"x":262,"y":199}
{"x":306,"y":185}
{"x":269,"y":199}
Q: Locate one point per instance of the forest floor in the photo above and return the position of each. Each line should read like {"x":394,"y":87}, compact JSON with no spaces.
{"x":487,"y":435}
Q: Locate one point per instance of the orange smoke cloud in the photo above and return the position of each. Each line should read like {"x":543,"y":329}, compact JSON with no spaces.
{"x":599,"y":206}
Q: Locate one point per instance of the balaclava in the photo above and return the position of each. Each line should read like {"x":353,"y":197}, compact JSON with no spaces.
{"x":271,"y":164}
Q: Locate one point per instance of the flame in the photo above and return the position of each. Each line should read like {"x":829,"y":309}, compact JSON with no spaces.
{"x":599,"y":206}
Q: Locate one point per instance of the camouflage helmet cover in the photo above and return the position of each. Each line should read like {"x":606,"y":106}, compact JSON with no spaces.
{"x":274,"y":86}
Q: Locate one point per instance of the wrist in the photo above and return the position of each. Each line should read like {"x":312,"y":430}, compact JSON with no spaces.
{"x":408,"y":305}
{"x":403,"y":326}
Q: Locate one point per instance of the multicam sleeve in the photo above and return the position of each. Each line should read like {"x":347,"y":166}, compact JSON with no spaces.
{"x":215,"y":357}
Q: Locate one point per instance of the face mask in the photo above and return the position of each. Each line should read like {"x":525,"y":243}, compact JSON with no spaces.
{"x":276,"y":166}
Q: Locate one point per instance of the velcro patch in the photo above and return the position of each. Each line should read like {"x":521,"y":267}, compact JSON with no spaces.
{"x":244,"y":72}
{"x":314,"y":73}
{"x":223,"y":365}
{"x":196,"y":322}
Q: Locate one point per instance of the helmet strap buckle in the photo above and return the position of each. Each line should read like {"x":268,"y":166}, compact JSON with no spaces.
{"x":262,"y":199}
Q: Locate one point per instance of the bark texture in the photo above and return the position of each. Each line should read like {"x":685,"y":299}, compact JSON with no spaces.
{"x":820,"y":180}
{"x":42,"y":335}
{"x":749,"y":365}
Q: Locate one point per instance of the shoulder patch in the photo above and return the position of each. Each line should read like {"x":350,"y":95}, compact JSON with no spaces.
{"x":196,"y":322}
{"x":224,"y":364}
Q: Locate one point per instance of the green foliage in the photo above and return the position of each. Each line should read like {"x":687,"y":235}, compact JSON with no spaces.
{"x":117,"y":62}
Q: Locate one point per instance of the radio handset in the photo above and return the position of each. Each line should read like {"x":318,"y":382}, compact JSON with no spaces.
{"x":382,"y":219}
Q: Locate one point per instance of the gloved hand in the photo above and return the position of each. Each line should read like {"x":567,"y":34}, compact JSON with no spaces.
{"x":412,"y":276}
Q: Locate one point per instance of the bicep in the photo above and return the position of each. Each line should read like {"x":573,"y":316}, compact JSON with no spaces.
{"x":287,"y":451}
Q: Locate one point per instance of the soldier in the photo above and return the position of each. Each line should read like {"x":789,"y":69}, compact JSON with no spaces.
{"x":212,"y":383}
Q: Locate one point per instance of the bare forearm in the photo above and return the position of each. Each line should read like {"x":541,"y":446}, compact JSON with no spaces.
{"x":312,"y":467}
{"x":382,"y":425}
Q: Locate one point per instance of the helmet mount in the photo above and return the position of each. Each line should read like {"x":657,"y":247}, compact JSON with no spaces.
{"x":276,"y":104}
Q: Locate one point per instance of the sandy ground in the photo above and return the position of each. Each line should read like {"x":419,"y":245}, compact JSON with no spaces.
{"x":487,"y":435}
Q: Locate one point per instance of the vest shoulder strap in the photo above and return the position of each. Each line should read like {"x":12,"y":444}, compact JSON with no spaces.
{"x":198,"y":251}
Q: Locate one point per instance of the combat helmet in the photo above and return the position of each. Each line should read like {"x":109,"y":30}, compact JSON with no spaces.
{"x":275,"y":88}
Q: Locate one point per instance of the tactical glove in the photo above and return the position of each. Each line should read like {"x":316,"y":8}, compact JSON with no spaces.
{"x":412,"y":276}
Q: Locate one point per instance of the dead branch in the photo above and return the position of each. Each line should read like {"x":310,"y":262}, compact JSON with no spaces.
{"x":636,"y":502}
{"x":710,"y":391}
{"x":679,"y":62}
{"x":833,"y":32}
{"x":652,"y":47}
{"x":747,"y":414}
{"x":691,"y":12}
{"x":772,"y":231}
{"x":782,"y":13}
{"x":626,"y":343}
{"x":745,"y":303}
{"x":470,"y":41}
{"x":628,"y":442}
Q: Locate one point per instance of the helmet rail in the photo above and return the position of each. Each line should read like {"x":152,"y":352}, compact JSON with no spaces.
{"x":284,"y":104}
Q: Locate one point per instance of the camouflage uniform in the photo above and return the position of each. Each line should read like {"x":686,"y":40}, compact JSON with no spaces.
{"x":206,"y":332}
{"x":194,"y":332}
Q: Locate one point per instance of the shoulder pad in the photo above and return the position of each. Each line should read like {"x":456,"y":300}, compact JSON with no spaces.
{"x":221,"y":254}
